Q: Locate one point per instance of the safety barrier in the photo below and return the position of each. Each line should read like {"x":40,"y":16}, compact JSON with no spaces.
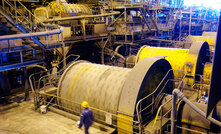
{"x":20,"y":17}
{"x":37,"y":81}
{"x":155,"y":99}
{"x":96,"y":112}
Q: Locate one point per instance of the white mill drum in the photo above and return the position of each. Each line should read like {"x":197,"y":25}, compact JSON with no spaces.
{"x":113,"y":89}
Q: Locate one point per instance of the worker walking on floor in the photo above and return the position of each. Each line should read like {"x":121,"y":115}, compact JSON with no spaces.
{"x":86,"y":117}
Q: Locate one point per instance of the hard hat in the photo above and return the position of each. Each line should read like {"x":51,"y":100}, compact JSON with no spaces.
{"x":84,"y":104}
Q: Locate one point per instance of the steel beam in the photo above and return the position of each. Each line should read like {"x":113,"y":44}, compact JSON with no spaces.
{"x":24,"y":64}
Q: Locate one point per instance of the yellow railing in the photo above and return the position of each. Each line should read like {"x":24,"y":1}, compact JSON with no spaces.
{"x":20,"y":17}
{"x":11,"y":6}
{"x":97,"y":112}
{"x":39,"y":21}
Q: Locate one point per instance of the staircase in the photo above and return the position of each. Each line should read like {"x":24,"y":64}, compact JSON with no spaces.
{"x":174,"y":16}
{"x":154,"y":116}
{"x":6,"y":29}
{"x":161,"y":124}
{"x":14,"y":22}
{"x":149,"y":20}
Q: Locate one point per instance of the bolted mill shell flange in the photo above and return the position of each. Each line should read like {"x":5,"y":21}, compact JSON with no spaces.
{"x":114,"y":90}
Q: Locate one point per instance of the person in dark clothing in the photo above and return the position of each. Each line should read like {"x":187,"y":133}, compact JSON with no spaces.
{"x":86,"y":117}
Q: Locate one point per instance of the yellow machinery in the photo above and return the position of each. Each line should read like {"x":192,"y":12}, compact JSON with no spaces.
{"x":191,"y":60}
{"x":53,"y":10}
{"x":111,"y":89}
{"x":207,"y":36}
{"x":207,"y":73}
{"x":43,"y":13}
{"x":210,"y":39}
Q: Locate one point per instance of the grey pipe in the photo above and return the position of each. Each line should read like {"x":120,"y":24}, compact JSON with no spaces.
{"x":173,"y":112}
{"x":110,"y":51}
{"x":38,"y":66}
{"x":83,"y":17}
{"x":118,"y":47}
{"x":28,"y":35}
{"x":180,"y":95}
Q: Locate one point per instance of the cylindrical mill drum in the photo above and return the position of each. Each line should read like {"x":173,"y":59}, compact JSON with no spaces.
{"x":111,"y":89}
{"x":190,"y":60}
{"x":188,"y":118}
{"x":211,"y":40}
{"x":81,"y":8}
{"x":98,"y":84}
{"x":176,"y":57}
{"x":209,"y":34}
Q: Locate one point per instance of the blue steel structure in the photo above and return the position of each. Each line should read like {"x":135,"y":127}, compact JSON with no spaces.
{"x":19,"y":65}
{"x":17,"y":57}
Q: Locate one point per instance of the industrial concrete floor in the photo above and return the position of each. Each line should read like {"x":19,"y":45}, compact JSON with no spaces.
{"x":24,"y":120}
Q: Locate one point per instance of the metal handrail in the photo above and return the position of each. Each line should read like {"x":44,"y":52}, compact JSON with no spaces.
{"x":30,"y":12}
{"x":181,"y":81}
{"x":162,"y":106}
{"x":159,"y":109}
{"x":94,"y":109}
{"x":6,"y":1}
{"x":54,"y":75}
{"x":47,"y":77}
{"x":22,"y":15}
{"x":32,"y":16}
{"x":138,"y":103}
{"x":138,"y":115}
{"x":27,"y":29}
{"x":32,"y":83}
